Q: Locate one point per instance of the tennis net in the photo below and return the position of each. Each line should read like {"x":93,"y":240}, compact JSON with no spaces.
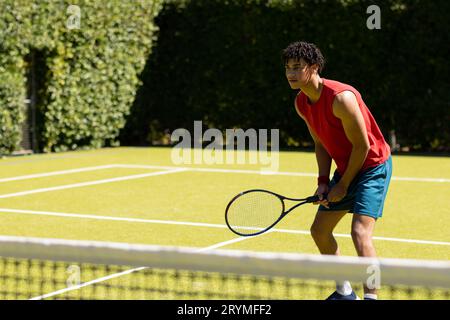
{"x":36,"y":268}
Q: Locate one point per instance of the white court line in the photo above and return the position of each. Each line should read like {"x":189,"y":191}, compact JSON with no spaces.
{"x":116,"y":275}
{"x":85,"y":284}
{"x":280,"y":173}
{"x":421,"y":179}
{"x":275,"y":173}
{"x":200,"y":224}
{"x":57,"y":173}
{"x":259,"y":172}
{"x":96,"y":217}
{"x":89,"y":183}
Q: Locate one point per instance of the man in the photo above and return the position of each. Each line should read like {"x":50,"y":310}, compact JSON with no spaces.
{"x":343,"y":130}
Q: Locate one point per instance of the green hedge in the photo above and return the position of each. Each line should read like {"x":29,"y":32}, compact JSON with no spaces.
{"x":216,"y":61}
{"x":220,"y":61}
{"x":91,"y":73}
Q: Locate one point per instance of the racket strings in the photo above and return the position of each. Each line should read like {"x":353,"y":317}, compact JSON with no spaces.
{"x":254,"y":212}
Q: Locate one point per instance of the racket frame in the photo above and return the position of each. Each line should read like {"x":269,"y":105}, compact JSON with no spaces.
{"x":283,"y":213}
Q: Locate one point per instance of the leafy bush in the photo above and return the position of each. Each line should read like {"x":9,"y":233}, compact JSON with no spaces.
{"x":91,"y":72}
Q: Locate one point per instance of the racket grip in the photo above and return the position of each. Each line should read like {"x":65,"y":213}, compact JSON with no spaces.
{"x":315,"y":198}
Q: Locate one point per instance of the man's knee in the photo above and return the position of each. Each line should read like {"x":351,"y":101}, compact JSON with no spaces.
{"x":361,"y":235}
{"x":324,"y":223}
{"x":318,"y":232}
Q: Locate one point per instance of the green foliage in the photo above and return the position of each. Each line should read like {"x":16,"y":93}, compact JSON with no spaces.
{"x":91,"y":72}
{"x":220,"y":61}
{"x":12,"y":95}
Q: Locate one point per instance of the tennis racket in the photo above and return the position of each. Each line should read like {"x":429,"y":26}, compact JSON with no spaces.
{"x":256,"y":211}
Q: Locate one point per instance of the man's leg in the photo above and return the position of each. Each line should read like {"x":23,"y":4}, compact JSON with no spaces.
{"x":322,"y":231}
{"x":362,"y":230}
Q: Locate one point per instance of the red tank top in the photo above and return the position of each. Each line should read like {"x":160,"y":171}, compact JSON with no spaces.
{"x":328,"y":128}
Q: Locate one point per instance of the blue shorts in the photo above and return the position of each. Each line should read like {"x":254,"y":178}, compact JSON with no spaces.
{"x":366,"y":193}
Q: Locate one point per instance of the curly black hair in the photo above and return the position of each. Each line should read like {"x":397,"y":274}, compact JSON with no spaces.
{"x":306,"y":51}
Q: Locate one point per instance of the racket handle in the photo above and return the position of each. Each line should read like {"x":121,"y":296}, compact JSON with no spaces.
{"x":315,"y":198}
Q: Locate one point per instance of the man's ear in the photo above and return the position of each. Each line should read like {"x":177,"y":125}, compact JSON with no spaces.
{"x":315,"y":67}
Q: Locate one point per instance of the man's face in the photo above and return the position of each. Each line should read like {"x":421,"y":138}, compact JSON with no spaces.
{"x":298,"y":73}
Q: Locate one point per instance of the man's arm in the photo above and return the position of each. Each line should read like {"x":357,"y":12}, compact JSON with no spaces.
{"x":323,"y":162}
{"x":322,"y":156}
{"x":345,"y":107}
